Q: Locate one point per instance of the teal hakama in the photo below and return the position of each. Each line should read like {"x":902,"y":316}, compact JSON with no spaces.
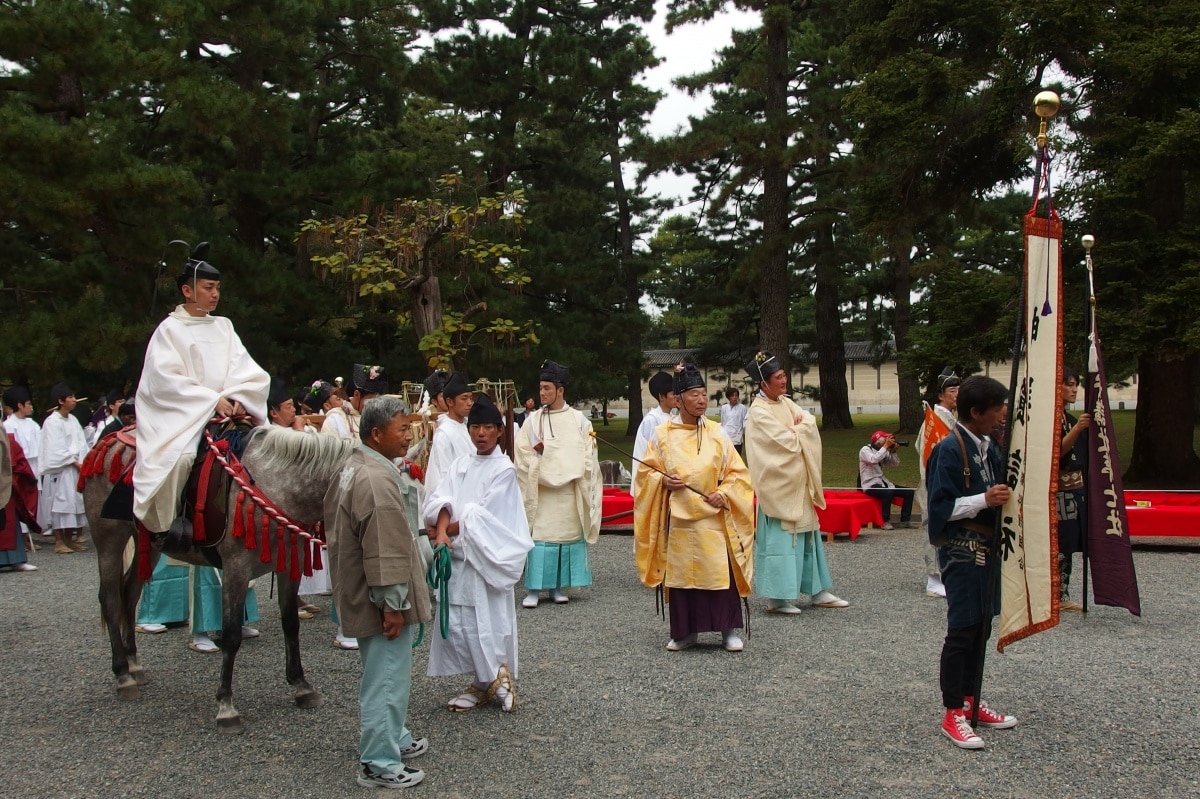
{"x":787,"y":565}
{"x":173,"y":593}
{"x":551,"y":566}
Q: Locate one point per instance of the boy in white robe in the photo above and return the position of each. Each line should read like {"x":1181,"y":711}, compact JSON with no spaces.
{"x":477,"y":512}
{"x":195,"y":367}
{"x":451,"y":440}
{"x":661,"y":388}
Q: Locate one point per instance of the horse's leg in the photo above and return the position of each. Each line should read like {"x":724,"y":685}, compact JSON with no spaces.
{"x":305,"y":696}
{"x":110,"y":538}
{"x":132,"y":594}
{"x":234,"y":583}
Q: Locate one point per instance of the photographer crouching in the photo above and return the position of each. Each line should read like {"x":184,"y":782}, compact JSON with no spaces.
{"x":872,"y":458}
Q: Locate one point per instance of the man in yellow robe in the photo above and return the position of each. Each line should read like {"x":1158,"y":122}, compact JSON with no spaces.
{"x":783,"y":447}
{"x":694,"y":520}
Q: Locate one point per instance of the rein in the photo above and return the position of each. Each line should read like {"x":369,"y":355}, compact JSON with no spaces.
{"x":438,"y":578}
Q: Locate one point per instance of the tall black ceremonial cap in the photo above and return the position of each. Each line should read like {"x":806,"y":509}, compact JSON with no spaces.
{"x":555,"y":373}
{"x":762,"y":366}
{"x":369,"y":379}
{"x":687,"y":377}
{"x":278,"y":394}
{"x":484,"y":411}
{"x":456,"y":384}
{"x":947,"y":379}
{"x":436,"y":382}
{"x":196,"y":268}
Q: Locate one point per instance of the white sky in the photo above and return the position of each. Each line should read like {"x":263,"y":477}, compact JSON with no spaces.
{"x":686,"y":51}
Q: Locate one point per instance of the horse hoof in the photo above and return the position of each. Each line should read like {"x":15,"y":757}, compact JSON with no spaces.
{"x":138,"y":676}
{"x":127,"y":692}
{"x":309,"y":700}
{"x":231,"y":725}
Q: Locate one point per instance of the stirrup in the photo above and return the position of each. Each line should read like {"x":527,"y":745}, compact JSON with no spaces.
{"x":503,"y":690}
{"x":469,"y":699}
{"x":177,"y":540}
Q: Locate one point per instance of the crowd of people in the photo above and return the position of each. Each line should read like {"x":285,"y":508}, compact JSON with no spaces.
{"x":721,"y":511}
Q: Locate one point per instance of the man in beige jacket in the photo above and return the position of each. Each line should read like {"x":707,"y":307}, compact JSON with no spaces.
{"x":379,"y":586}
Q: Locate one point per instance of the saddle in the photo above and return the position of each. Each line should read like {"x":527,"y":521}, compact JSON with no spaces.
{"x":205,"y":496}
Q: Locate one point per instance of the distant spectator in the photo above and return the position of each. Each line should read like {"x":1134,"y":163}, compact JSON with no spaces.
{"x":733,"y":418}
{"x":872,"y":458}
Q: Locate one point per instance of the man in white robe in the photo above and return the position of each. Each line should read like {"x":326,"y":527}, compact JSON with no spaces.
{"x":195,"y":367}
{"x":60,"y":505}
{"x":477,"y":512}
{"x":451,"y":440}
{"x":559,"y":474}
{"x":661,"y":388}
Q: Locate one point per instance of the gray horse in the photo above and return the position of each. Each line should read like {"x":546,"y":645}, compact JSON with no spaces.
{"x":292,"y":469}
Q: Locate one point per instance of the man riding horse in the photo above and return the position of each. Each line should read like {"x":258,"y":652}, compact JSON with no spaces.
{"x":195,"y":366}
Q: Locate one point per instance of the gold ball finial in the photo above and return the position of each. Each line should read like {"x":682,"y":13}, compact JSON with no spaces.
{"x":1045,"y":105}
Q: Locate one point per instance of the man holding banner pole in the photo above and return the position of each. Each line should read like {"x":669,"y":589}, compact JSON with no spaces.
{"x":965,"y":481}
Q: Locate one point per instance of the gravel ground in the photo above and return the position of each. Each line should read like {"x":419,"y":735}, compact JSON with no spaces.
{"x":831,"y":703}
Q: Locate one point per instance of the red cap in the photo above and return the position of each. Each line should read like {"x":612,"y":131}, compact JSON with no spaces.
{"x":879,"y":435}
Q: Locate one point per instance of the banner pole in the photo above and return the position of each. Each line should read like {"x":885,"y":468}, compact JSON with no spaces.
{"x":1045,"y":105}
{"x":1088,"y":242}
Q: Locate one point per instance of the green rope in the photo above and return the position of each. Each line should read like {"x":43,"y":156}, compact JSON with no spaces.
{"x":438,"y":578}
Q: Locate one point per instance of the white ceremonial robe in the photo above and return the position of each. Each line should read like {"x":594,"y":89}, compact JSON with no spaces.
{"x":451,"y":441}
{"x":337,"y":423}
{"x":561,"y":486}
{"x":650,"y":422}
{"x":488,"y":557}
{"x":60,"y":505}
{"x":191,"y":363}
{"x":29,"y":435}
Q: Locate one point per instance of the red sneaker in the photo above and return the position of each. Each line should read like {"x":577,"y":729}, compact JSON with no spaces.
{"x":956,"y":727}
{"x":988,"y":717}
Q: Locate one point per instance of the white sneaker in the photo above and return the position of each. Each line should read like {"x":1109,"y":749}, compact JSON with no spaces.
{"x":559,"y":597}
{"x":24,"y":567}
{"x":342,"y":642}
{"x":530,"y":600}
{"x":732,"y":641}
{"x":249,"y":632}
{"x":934,"y":587}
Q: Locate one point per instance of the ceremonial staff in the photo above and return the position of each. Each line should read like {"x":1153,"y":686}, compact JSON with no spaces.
{"x":648,"y":466}
{"x":1045,"y":105}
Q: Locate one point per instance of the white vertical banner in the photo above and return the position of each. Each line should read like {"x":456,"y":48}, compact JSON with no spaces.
{"x":1029,"y":529}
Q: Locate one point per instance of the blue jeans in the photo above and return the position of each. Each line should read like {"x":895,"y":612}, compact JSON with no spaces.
{"x":885,"y":495}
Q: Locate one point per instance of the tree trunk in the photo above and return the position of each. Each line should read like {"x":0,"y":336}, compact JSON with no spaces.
{"x":911,"y":414}
{"x":831,"y":342}
{"x":633,"y":289}
{"x":1163,"y":454}
{"x":426,"y":299}
{"x":773,"y":286}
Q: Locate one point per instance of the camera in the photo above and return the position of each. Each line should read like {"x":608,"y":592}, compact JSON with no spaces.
{"x":900,"y":443}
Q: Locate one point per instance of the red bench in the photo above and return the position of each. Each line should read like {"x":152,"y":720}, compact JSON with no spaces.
{"x":1165,"y":513}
